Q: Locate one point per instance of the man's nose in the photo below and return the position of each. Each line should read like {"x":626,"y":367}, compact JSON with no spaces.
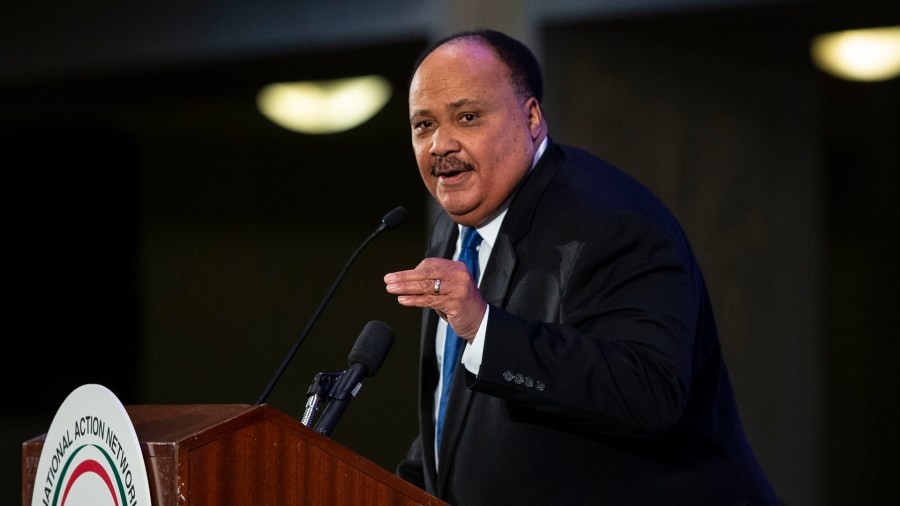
{"x":443,"y":142}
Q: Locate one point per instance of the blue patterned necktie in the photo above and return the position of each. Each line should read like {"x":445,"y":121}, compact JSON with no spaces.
{"x":468,"y":254}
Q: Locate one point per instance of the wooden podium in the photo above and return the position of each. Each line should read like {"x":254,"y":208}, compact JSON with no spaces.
{"x":242,"y":454}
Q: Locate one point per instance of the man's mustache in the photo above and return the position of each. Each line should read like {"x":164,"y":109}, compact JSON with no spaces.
{"x":444,"y":165}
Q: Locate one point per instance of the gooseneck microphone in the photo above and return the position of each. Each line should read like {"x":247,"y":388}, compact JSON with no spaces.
{"x":365,"y":359}
{"x":391,"y":220}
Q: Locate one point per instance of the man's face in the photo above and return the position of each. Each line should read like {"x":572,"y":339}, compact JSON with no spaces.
{"x":473,"y":139}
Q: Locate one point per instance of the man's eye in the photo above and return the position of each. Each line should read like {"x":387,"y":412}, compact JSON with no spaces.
{"x":468,"y":117}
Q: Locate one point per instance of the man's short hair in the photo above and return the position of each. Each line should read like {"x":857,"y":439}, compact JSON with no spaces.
{"x":525,"y":71}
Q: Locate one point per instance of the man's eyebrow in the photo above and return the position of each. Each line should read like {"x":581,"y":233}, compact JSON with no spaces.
{"x":419,"y":112}
{"x":463,"y":102}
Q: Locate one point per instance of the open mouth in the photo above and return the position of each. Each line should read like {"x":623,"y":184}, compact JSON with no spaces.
{"x":448,"y":168}
{"x":450,"y":174}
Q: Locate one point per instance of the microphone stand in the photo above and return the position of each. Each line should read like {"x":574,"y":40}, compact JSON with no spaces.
{"x":390,"y":220}
{"x":319,"y":389}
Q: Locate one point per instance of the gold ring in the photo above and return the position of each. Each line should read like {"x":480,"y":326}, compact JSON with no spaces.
{"x":437,"y":286}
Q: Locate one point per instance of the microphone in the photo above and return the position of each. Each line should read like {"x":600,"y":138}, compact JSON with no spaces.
{"x":391,"y":220}
{"x":365,"y":359}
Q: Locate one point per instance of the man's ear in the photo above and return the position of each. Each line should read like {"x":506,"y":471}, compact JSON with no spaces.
{"x":535,"y":117}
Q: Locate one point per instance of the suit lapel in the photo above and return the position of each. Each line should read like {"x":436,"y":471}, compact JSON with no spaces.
{"x":498,"y":271}
{"x":517,"y":223}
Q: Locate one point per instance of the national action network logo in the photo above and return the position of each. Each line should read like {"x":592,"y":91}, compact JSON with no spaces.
{"x":91,"y":455}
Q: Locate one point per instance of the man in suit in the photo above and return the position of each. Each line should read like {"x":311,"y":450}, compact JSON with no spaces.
{"x":590,"y":370}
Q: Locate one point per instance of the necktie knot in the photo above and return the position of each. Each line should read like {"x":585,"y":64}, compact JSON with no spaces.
{"x":471,"y":238}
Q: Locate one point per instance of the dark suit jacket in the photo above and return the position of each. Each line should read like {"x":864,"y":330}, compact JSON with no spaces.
{"x":602,"y":380}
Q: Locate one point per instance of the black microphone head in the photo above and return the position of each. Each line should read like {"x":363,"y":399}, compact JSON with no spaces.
{"x":394,"y":218}
{"x":372,"y":346}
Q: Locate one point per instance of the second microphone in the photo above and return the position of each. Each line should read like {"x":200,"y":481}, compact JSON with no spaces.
{"x":366,"y":357}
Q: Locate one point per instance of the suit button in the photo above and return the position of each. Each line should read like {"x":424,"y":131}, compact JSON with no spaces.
{"x":529,"y":381}
{"x":508,"y":375}
{"x":519,"y":378}
{"x":540,"y":386}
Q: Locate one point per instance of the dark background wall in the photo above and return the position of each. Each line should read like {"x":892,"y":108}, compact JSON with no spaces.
{"x":170,"y":243}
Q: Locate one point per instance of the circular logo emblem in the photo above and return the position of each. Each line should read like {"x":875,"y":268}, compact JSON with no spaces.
{"x":91,"y":455}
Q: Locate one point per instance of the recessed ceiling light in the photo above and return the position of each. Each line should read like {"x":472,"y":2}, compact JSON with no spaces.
{"x":324,"y":107}
{"x":871,"y":54}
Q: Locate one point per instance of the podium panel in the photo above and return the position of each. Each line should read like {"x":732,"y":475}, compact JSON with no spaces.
{"x":241,"y":454}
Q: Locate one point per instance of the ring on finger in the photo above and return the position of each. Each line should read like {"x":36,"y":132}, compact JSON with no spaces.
{"x":437,"y":286}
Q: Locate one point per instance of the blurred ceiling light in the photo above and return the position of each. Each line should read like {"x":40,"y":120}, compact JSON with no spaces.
{"x":859,"y":55}
{"x":324,"y":107}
